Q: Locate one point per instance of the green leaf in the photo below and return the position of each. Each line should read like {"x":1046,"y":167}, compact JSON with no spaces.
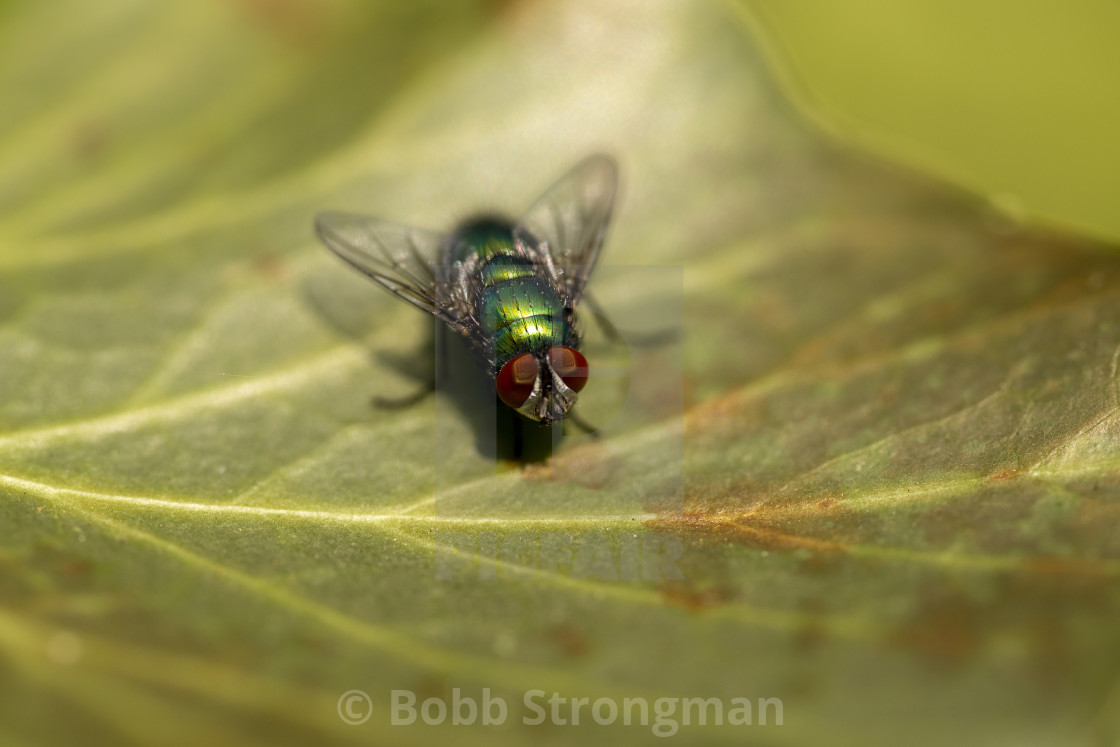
{"x":899,"y":428}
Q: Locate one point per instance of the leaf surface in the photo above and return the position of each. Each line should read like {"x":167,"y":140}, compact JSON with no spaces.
{"x":898,"y":440}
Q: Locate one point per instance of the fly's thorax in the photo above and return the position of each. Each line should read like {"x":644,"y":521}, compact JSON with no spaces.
{"x":482,"y":238}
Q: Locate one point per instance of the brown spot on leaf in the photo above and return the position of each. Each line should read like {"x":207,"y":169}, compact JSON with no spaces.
{"x":570,"y":639}
{"x":1052,"y":566}
{"x":588,"y":466}
{"x":946,"y":629}
{"x":269,"y":265}
{"x":779,"y":526}
{"x":538,"y":471}
{"x":79,"y":567}
{"x":89,"y":140}
{"x":694,"y":599}
{"x":430,"y":687}
{"x":295,"y":21}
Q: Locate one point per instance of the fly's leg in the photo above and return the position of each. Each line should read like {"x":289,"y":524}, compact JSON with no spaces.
{"x":407,"y":401}
{"x":647,"y":339}
{"x":428,"y":388}
{"x":582,"y":424}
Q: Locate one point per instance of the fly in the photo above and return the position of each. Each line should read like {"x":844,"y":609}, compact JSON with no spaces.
{"x":509,"y":288}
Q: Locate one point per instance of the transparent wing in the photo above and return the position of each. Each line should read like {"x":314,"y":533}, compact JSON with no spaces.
{"x":571,"y":220}
{"x":400,"y":258}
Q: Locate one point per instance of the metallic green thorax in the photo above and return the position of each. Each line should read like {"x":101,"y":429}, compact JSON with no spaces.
{"x":519,"y":311}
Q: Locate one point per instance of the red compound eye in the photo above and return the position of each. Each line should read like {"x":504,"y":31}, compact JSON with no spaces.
{"x":516,"y":379}
{"x":570,"y":365}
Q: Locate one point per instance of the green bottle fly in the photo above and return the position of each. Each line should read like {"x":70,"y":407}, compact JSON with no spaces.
{"x":510,"y":288}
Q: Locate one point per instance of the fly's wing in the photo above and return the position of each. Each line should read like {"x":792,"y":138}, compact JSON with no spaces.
{"x":400,"y":258}
{"x":571,"y":219}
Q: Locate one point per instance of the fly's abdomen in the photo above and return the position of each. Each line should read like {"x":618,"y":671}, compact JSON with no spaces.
{"x":521,"y":314}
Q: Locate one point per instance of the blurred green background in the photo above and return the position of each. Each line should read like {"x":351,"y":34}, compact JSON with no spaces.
{"x":1016,"y":101}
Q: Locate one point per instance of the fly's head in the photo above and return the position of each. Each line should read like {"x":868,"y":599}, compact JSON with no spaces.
{"x":543,"y":386}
